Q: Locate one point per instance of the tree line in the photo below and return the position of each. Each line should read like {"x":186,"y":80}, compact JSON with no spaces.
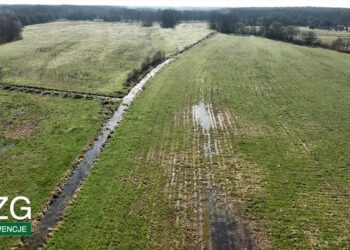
{"x":35,"y":14}
{"x":229,"y":22}
{"x":313,"y":17}
{"x":324,"y":18}
{"x":10,"y":27}
{"x":276,"y":23}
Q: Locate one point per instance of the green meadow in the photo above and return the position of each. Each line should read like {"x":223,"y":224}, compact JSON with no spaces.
{"x":93,"y":57}
{"x":279,"y":152}
{"x":40,"y":138}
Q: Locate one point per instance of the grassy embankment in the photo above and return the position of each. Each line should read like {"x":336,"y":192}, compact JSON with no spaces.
{"x":280,"y":147}
{"x":39,"y":140}
{"x":88,"y":56}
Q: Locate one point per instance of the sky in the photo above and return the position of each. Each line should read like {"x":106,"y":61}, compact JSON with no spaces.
{"x":192,"y":3}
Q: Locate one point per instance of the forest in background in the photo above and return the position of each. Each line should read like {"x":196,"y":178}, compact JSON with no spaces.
{"x":275,"y":23}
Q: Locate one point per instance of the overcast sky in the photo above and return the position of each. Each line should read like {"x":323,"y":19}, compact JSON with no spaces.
{"x":191,"y":3}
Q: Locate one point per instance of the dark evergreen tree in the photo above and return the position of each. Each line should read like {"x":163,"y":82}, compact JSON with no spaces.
{"x":169,"y":18}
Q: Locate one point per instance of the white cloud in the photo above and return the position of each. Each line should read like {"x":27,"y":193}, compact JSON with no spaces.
{"x":192,"y":3}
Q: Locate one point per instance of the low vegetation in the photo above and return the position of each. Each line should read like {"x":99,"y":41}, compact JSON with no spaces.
{"x":276,"y":147}
{"x":146,"y":65}
{"x":341,"y":44}
{"x":88,"y":56}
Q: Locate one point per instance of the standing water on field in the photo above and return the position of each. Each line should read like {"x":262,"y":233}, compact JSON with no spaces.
{"x":226,"y":232}
{"x":204,"y":117}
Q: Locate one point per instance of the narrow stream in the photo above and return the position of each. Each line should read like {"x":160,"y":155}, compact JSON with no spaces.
{"x":51,"y":217}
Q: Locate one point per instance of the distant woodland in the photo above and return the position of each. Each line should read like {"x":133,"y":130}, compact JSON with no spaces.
{"x":276,"y":23}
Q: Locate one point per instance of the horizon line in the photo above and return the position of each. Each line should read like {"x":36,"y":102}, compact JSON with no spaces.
{"x":172,"y":7}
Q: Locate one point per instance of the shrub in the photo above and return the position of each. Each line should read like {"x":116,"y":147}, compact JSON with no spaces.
{"x":341,"y":44}
{"x":146,"y":65}
{"x":309,"y":37}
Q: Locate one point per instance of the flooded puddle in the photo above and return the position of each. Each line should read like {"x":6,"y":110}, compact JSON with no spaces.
{"x":60,"y":202}
{"x":203,"y":116}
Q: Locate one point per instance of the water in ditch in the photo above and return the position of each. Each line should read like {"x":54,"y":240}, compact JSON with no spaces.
{"x":60,"y":201}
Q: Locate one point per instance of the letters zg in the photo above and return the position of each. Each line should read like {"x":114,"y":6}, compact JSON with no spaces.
{"x":27,"y":210}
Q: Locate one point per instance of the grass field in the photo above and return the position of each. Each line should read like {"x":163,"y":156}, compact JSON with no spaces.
{"x":88,"y":56}
{"x":39,"y":140}
{"x":328,"y":36}
{"x":272,"y":152}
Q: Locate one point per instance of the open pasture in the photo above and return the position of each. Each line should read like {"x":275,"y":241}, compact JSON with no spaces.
{"x":88,"y":56}
{"x":239,"y":130}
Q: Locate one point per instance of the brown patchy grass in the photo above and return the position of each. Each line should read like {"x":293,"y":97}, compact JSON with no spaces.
{"x":20,"y":132}
{"x":191,"y":174}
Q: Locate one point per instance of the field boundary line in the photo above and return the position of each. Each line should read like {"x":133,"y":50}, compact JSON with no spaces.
{"x":211,"y":34}
{"x":54,"y":92}
{"x":11,"y":87}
